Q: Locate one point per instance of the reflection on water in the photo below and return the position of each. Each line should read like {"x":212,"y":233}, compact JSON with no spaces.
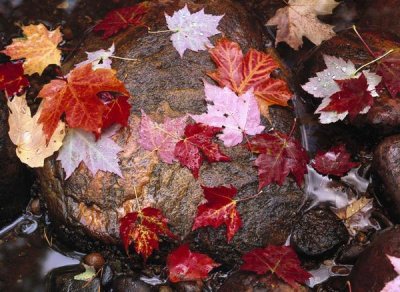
{"x":26,"y":257}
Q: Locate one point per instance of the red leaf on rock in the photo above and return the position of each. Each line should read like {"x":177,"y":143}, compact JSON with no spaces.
{"x":117,"y":109}
{"x":184,"y":265}
{"x":77,"y":98}
{"x":12,"y":79}
{"x":240,"y":73}
{"x":219,"y":209}
{"x":143,"y":228}
{"x":280,"y":155}
{"x":198,"y":142}
{"x":121,"y":18}
{"x":336,"y":161}
{"x":353,"y":97}
{"x":389,"y":69}
{"x":279,"y":260}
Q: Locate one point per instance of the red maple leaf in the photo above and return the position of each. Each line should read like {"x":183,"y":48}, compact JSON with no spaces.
{"x":119,"y":19}
{"x":77,"y":98}
{"x":336,"y":161}
{"x":389,"y":69}
{"x":279,"y":260}
{"x":143,"y":228}
{"x":117,"y":108}
{"x":12,"y":78}
{"x":280,"y":155}
{"x":219,"y":209}
{"x":198,"y":142}
{"x":184,"y":265}
{"x":353,"y":97}
{"x":240,"y":73}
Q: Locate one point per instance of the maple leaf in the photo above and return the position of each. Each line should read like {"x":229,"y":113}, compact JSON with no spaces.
{"x":236,"y":115}
{"x":77,"y":98}
{"x":198,"y":141}
{"x":12,"y":79}
{"x":389,"y":69}
{"x":119,"y":19}
{"x":219,"y":209}
{"x":241,"y":73}
{"x":27,"y":134}
{"x":336,"y":161}
{"x":38,"y":47}
{"x":280,"y":155}
{"x":279,"y":260}
{"x":191,"y":31}
{"x":117,"y":108}
{"x":394,"y":285}
{"x":161,"y":137}
{"x":143,"y":228}
{"x":354,"y":97}
{"x":97,"y":155}
{"x":184,"y":265}
{"x":299,"y":19}
{"x":99,"y":59}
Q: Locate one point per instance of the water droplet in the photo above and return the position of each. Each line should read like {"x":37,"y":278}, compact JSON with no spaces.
{"x":315,"y":88}
{"x":319,"y":79}
{"x":26,"y":137}
{"x":324,"y":86}
{"x":344,"y":69}
{"x":336,"y":67}
{"x":201,"y":33}
{"x":329,"y":74}
{"x":334,"y":76}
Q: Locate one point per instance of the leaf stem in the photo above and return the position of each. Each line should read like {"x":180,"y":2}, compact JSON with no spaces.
{"x":159,"y":31}
{"x":363,"y":41}
{"x":373,"y":61}
{"x":122,"y":58}
{"x":137,"y":200}
{"x":293,"y":127}
{"x":250,"y":197}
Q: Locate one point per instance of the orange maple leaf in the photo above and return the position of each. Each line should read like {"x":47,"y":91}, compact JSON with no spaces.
{"x":240,"y":73}
{"x":38,"y":47}
{"x":77,"y":98}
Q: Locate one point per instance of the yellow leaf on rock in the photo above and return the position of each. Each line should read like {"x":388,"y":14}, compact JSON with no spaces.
{"x":27,"y":134}
{"x":38,"y":48}
{"x":351,"y":209}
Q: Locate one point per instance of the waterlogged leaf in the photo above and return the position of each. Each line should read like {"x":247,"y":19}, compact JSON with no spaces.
{"x":76,"y":97}
{"x":279,"y":260}
{"x":279,"y":155}
{"x":394,"y":285}
{"x":219,"y":209}
{"x":87,"y":275}
{"x":27,"y":134}
{"x":117,"y":109}
{"x":191,"y":31}
{"x":389,"y":69}
{"x":121,"y":18}
{"x":196,"y":145}
{"x":12,"y":78}
{"x":184,"y":265}
{"x":237,"y":116}
{"x":299,"y":19}
{"x":161,"y":137}
{"x":352,"y":209}
{"x":99,"y":59}
{"x":38,"y":47}
{"x":336,"y":161}
{"x":241,"y":73}
{"x":80,"y":146}
{"x":143,"y":228}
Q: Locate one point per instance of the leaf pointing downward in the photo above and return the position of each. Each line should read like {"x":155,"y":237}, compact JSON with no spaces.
{"x":97,"y":155}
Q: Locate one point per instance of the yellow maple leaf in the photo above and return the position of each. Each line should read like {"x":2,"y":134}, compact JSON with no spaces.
{"x":27,"y":134}
{"x":38,"y":47}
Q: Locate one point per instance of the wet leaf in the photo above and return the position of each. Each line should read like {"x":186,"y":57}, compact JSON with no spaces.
{"x":389,"y":69}
{"x":198,"y":144}
{"x":279,"y":155}
{"x":87,"y":275}
{"x":161,"y":137}
{"x":12,"y":78}
{"x":241,"y":73}
{"x":99,"y":59}
{"x":238,"y":116}
{"x":336,"y":161}
{"x":394,"y":285}
{"x":117,"y":109}
{"x":27,"y":134}
{"x":121,"y":18}
{"x":80,"y":146}
{"x":143,"y":228}
{"x":352,"y":209}
{"x":279,"y":260}
{"x":184,"y":265}
{"x":220,"y":209}
{"x":191,"y":31}
{"x":76,"y":97}
{"x":299,"y":19}
{"x":38,"y":47}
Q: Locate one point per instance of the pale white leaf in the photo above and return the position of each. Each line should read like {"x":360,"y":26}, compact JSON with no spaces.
{"x":99,"y":59}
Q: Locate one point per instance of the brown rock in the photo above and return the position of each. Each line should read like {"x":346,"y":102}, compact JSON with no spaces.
{"x":95,"y":260}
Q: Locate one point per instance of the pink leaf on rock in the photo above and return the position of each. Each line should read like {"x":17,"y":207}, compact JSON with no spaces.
{"x":394,"y":285}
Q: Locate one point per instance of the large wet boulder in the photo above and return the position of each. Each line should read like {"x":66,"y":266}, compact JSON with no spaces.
{"x":373,"y":269}
{"x":163,"y":84}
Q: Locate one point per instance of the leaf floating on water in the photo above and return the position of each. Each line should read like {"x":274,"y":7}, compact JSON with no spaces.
{"x":350,"y":210}
{"x":87,"y":275}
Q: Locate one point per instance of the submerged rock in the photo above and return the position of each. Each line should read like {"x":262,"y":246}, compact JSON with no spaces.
{"x":163,"y":84}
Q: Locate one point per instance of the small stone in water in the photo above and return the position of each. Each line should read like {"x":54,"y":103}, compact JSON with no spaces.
{"x":35,"y":207}
{"x":95,"y":260}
